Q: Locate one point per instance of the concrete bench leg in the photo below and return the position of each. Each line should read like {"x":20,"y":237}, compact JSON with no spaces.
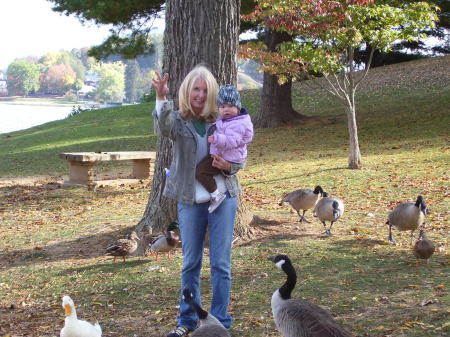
{"x":141,"y":168}
{"x":81,"y":173}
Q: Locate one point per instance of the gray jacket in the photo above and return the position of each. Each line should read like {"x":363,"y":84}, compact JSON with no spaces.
{"x":180,"y":183}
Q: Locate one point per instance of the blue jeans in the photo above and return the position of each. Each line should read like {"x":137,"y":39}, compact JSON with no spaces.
{"x":194,"y":219}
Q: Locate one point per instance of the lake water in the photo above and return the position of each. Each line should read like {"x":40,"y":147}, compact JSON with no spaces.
{"x":16,"y":116}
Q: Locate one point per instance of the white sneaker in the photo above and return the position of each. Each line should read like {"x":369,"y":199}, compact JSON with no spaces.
{"x":216,"y":201}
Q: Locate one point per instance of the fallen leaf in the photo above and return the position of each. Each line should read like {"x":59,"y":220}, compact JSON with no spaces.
{"x":411,"y":324}
{"x":427,"y":302}
{"x":379,"y":328}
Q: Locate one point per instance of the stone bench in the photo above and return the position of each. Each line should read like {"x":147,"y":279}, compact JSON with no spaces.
{"x":81,"y":164}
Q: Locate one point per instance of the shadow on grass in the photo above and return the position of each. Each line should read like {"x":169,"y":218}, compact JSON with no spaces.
{"x":275,"y":241}
{"x":29,"y":319}
{"x":107,"y":267}
{"x":362,"y":242}
{"x":82,"y":248}
{"x":35,"y":193}
{"x":260,"y":181}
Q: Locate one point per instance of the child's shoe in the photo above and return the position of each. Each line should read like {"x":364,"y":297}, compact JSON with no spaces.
{"x":216,"y":201}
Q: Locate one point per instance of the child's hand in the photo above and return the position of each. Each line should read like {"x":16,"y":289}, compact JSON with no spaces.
{"x":221,"y":163}
{"x":211,"y":139}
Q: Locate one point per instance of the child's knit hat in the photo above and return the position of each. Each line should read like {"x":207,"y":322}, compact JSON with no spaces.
{"x":228,"y":94}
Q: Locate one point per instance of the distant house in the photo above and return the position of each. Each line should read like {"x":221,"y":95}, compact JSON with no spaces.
{"x":85,"y":90}
{"x":90,"y":83}
{"x":92,"y":79}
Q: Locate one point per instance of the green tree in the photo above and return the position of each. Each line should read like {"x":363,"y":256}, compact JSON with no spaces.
{"x":132,"y":76}
{"x":67,"y":58}
{"x":77,"y":86}
{"x":144,"y":85}
{"x":131,"y":20}
{"x":402,"y":51}
{"x":22,"y":77}
{"x":110,"y":87}
{"x":331,"y":31}
{"x":58,"y":79}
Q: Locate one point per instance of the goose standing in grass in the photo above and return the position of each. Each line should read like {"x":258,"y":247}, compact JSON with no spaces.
{"x":209,"y":325}
{"x":123,"y":247}
{"x":298,"y":318}
{"x":424,"y":248}
{"x":407,"y":217}
{"x":329,"y":209}
{"x":303,"y":199}
{"x":166,"y":242}
{"x":73,"y":327}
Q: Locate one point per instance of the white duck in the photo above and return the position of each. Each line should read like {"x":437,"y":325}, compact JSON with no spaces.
{"x":73,"y":327}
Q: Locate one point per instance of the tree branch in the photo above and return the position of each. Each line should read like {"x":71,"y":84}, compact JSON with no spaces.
{"x":366,"y":71}
{"x":334,"y":91}
{"x":339,"y":84}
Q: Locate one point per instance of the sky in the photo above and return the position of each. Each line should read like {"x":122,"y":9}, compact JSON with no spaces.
{"x":30,"y":27}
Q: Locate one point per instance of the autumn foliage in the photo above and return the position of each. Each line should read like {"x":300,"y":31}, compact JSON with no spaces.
{"x":325,"y":31}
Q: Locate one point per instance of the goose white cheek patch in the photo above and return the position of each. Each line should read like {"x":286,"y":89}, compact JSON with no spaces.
{"x":280,"y":263}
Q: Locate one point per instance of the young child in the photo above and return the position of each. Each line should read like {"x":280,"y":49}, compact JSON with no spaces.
{"x":234,"y":130}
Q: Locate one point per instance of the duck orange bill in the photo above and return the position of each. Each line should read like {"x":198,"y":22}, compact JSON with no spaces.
{"x":67,"y":309}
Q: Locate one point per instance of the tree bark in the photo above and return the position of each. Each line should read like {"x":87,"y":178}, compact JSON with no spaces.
{"x":276,"y":100}
{"x":197,"y":31}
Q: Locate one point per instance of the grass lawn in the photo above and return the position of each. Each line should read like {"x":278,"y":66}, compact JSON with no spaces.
{"x":52,"y":240}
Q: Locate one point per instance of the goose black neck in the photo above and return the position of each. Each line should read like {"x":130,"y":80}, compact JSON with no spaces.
{"x":289,"y":285}
{"x":202,"y":314}
{"x":419,"y":201}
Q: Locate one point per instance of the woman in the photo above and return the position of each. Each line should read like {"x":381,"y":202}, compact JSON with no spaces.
{"x":189,"y":128}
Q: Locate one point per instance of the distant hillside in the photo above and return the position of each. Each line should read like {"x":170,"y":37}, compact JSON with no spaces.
{"x":422,"y":73}
{"x":246,"y":82}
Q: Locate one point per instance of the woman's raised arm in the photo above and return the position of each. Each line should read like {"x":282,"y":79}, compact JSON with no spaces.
{"x":160,"y":85}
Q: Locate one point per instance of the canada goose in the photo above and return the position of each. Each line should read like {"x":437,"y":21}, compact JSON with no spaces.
{"x":209,"y":325}
{"x":74,"y":327}
{"x":424,"y":248}
{"x":407,"y":216}
{"x":298,"y":318}
{"x":303,"y":199}
{"x":328,"y":209}
{"x":123,"y":247}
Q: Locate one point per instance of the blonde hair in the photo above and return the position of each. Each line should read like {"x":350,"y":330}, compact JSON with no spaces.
{"x":209,"y":112}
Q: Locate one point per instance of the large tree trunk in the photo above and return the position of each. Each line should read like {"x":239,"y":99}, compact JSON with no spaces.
{"x":276,"y":100}
{"x":197,"y":31}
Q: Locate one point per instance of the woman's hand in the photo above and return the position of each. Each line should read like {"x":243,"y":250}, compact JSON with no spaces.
{"x":160,"y":85}
{"x":221,"y":163}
